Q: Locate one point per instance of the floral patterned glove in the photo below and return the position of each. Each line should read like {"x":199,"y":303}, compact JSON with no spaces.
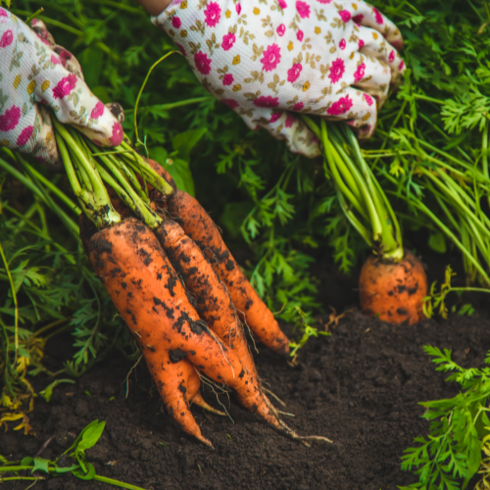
{"x":35,"y":74}
{"x":268,"y":59}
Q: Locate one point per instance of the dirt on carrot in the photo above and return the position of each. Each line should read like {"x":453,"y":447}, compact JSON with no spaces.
{"x":252,"y":310}
{"x":150,"y":298}
{"x":393,"y":292}
{"x":213,"y":301}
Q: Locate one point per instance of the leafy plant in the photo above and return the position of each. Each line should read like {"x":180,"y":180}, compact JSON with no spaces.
{"x":79,"y":467}
{"x":438,"y":299}
{"x":452,"y":453}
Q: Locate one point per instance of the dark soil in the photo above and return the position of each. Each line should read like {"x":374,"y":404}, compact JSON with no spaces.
{"x":360,"y":387}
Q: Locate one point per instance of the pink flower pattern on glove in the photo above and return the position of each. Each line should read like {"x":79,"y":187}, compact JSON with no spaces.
{"x":228,"y":41}
{"x":212,"y":13}
{"x":345,"y":15}
{"x":202,"y":62}
{"x":268,"y":101}
{"x":303,"y":9}
{"x":37,"y":74}
{"x":65,"y":86}
{"x":97,"y":111}
{"x":25,"y":136}
{"x":10,"y":119}
{"x":336,"y":70}
{"x":7,"y":39}
{"x":268,"y":60}
{"x":340,"y":107}
{"x":271,"y":58}
{"x":359,"y":73}
{"x":294,"y":72}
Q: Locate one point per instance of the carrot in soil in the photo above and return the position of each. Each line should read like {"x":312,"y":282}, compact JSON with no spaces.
{"x":392,"y":283}
{"x":214,"y":303}
{"x":198,"y":225}
{"x":147,"y":293}
{"x":404,"y":284}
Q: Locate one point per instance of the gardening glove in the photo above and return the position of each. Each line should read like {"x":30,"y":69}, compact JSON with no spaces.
{"x":35,"y":74}
{"x":268,"y":60}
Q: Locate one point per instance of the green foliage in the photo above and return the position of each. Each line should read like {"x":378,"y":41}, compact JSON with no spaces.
{"x":278,"y":208}
{"x":452,"y":453}
{"x":80,"y":466}
{"x":438,"y":299}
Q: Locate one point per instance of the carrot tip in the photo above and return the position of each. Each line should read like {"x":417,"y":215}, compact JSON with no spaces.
{"x":199,"y":401}
{"x":205,"y":441}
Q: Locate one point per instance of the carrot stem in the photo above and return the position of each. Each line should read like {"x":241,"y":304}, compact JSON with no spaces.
{"x":356,"y":184}
{"x":139,"y":165}
{"x":96,"y":203}
{"x":143,"y":87}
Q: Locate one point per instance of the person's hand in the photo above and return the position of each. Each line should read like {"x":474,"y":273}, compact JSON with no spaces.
{"x":269,"y":60}
{"x":36,"y":74}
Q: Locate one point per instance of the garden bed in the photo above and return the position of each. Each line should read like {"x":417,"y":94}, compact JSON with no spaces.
{"x":360,"y":387}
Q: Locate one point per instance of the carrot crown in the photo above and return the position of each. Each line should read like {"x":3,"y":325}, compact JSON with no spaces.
{"x":88,"y":167}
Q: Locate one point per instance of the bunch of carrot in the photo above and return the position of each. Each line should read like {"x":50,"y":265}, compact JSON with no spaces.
{"x":173,"y":280}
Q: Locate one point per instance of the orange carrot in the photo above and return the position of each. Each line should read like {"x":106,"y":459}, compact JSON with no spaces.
{"x":393,"y":291}
{"x":200,"y":227}
{"x":214,"y":303}
{"x":177,"y":382}
{"x":148,"y":295}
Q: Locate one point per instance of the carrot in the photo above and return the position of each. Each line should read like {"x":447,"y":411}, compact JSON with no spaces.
{"x":148,"y":295}
{"x":214,"y":303}
{"x":178,"y":383}
{"x":393,"y":291}
{"x":200,"y":227}
{"x":146,"y":291}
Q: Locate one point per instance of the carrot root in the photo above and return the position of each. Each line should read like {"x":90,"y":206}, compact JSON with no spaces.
{"x":199,"y":226}
{"x":200,"y":402}
{"x":148,"y":295}
{"x":393,"y":292}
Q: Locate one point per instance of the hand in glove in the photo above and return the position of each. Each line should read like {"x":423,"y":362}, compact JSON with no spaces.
{"x":36,"y":74}
{"x":270,"y":59}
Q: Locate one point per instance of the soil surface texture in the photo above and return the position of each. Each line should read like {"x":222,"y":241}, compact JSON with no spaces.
{"x":359,"y":387}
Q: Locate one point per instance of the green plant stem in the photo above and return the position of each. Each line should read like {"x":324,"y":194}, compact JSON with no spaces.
{"x":130,"y":198}
{"x":111,"y":162}
{"x":334,"y":162}
{"x":97,"y":204}
{"x":49,"y":21}
{"x":428,"y":99}
{"x":49,"y":326}
{"x":171,"y":105}
{"x":35,"y":14}
{"x":143,"y":87}
{"x":24,"y":478}
{"x":140,"y":166}
{"x":38,"y":232}
{"x":391,"y":247}
{"x":358,"y":185}
{"x":45,"y":198}
{"x":422,"y":207}
{"x":14,"y":298}
{"x":44,"y":223}
{"x":55,"y":190}
{"x":6,"y":469}
{"x":116,"y":483}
